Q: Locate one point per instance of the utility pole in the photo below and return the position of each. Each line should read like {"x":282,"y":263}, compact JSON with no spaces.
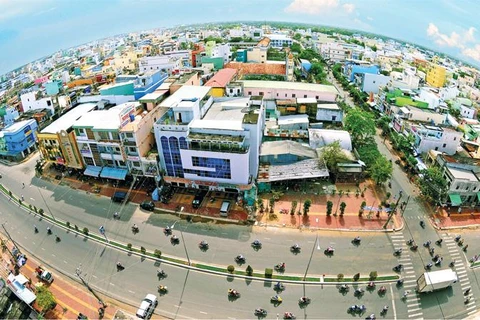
{"x":391,"y":213}
{"x":78,"y":272}
{"x":9,"y":237}
{"x":311,"y":256}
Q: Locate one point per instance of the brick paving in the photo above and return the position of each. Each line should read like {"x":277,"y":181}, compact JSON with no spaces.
{"x":317,"y":217}
{"x":467,"y":218}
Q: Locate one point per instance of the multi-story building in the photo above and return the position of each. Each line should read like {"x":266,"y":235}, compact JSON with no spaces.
{"x":162,"y":63}
{"x":32,"y":100}
{"x":57,"y":142}
{"x":144,"y":82}
{"x":436,"y":75}
{"x":279,"y":40}
{"x":371,"y":83}
{"x":223,"y":51}
{"x":436,"y":138}
{"x":351,"y":69}
{"x":9,"y":115}
{"x":210,"y":144}
{"x":18,"y":140}
{"x":98,"y":138}
{"x":220,"y":80}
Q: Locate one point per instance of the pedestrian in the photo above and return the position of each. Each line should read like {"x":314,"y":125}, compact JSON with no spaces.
{"x":23,"y":198}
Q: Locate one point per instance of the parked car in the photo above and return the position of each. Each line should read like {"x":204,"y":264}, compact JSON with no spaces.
{"x":147,"y":205}
{"x":119,"y":196}
{"x":197,"y":201}
{"x":147,"y":306}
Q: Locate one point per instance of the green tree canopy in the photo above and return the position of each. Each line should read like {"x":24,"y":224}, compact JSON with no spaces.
{"x":360,"y":124}
{"x":297,"y":36}
{"x":433,"y":185}
{"x":295,"y":47}
{"x":332,"y":154}
{"x":45,"y":299}
{"x":384,"y":124}
{"x":381,"y":170}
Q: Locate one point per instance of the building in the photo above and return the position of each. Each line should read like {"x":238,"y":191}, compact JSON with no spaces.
{"x":210,"y":144}
{"x":222,"y":51}
{"x":407,"y":79}
{"x":33,"y":100}
{"x":18,"y":140}
{"x":329,"y":112}
{"x":283,"y":89}
{"x":318,"y":138}
{"x":220,"y":80}
{"x":371,"y":83}
{"x":57,"y":142}
{"x":352,"y":69}
{"x":279,"y":40}
{"x":436,"y":76}
{"x":98,"y":139}
{"x":436,"y":138}
{"x":9,"y":115}
{"x":143,"y":83}
{"x":162,"y":63}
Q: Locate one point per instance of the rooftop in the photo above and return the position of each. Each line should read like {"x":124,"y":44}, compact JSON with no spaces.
{"x":68,"y":119}
{"x":185,"y":93}
{"x":221,"y":78}
{"x":305,"y":169}
{"x":288,"y":146}
{"x":463,"y":174}
{"x":16,"y":126}
{"x":329,"y":106}
{"x":153,"y":96}
{"x":104,"y":119}
{"x":285,"y":85}
{"x":292,"y":119}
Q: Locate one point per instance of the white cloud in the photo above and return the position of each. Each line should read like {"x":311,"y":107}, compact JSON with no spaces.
{"x":317,"y":6}
{"x":13,"y":8}
{"x":349,"y":7}
{"x":453,"y":40}
{"x":369,"y":18}
{"x":473,"y":53}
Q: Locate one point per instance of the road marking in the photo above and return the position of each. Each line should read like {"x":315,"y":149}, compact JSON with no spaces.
{"x":65,"y":262}
{"x":53,"y":255}
{"x":463,"y":276}
{"x":471,"y":312}
{"x":202,"y":312}
{"x":410,"y":286}
{"x":414,"y":309}
{"x":408,"y":281}
{"x":415,"y":315}
{"x":131,"y":291}
{"x":42,"y":249}
{"x":112,"y":284}
{"x":462,"y":272}
{"x":471,"y":307}
{"x":33,"y":242}
{"x":25,"y":237}
{"x":94,"y":276}
{"x":176,"y":306}
{"x":266,"y":238}
{"x":413,"y":305}
{"x":410,"y":272}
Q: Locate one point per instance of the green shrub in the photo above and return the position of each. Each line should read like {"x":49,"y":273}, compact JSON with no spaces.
{"x":10,"y":193}
{"x":340,"y":276}
{"x":143,"y":250}
{"x":67,"y":224}
{"x":129,"y":246}
{"x":373,"y":275}
{"x":230,"y":269}
{"x":268,"y":273}
{"x":40,"y":211}
{"x":157,"y":253}
{"x":76,"y":227}
{"x":249,"y":270}
{"x":35,"y":209}
{"x":30,"y":206}
{"x":85,"y":231}
{"x":356,"y":276}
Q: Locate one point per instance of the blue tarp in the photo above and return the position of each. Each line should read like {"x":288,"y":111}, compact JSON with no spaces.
{"x":92,"y":171}
{"x":114,"y":173}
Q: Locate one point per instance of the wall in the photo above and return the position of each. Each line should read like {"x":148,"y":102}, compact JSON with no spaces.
{"x":327,"y":114}
{"x":115,"y":99}
{"x":448,"y":143}
{"x":372,"y":82}
{"x":289,"y":93}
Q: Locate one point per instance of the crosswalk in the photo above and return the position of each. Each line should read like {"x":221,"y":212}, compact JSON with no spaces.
{"x":461,"y":270}
{"x":412,"y":300}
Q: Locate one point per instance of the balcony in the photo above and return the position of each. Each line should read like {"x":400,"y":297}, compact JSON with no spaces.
{"x":298,"y":134}
{"x":218,"y":147}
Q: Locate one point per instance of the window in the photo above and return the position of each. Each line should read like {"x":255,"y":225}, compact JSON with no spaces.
{"x":458,"y":187}
{"x":49,"y":103}
{"x":249,"y":93}
{"x":455,"y":139}
{"x":260,"y":93}
{"x":436,"y":148}
{"x":136,"y":164}
{"x":304,"y":95}
{"x":316,"y":97}
{"x":293,"y":95}
{"x":444,"y":145}
{"x":285,"y":95}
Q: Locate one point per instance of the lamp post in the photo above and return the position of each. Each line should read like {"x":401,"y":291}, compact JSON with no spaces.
{"x":183,"y":240}
{"x":78,"y":272}
{"x":316,"y":244}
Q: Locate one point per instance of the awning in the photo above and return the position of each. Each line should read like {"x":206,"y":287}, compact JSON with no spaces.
{"x":92,"y":171}
{"x":455,"y":199}
{"x":114,"y":173}
{"x":478,"y":196}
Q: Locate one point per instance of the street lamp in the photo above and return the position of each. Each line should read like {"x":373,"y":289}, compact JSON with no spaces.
{"x":78,"y":272}
{"x":183,"y":240}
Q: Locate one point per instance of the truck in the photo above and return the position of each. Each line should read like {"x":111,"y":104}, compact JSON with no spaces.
{"x":436,"y":280}
{"x":43,"y":274}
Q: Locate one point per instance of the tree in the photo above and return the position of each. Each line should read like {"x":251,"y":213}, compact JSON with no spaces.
{"x":433,"y":185}
{"x":249,"y":270}
{"x":297,"y":36}
{"x":374,"y":48}
{"x":306,"y":206}
{"x":333,"y":154}
{"x":381,"y":170}
{"x":343,"y":205}
{"x":294,"y":207}
{"x":329,"y":207}
{"x":295,"y":47}
{"x":368,"y":152}
{"x":384,"y":124}
{"x":360,"y":124}
{"x":45,"y":299}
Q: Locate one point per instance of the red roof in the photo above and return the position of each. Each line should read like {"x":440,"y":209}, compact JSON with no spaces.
{"x":221,"y":78}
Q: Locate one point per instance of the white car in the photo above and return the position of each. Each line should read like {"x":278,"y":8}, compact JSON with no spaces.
{"x":147,"y":306}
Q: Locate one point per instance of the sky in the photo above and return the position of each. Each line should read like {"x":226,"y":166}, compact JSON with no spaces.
{"x":31,"y":29}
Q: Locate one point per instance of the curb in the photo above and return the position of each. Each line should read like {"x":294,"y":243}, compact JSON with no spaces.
{"x":179,"y":265}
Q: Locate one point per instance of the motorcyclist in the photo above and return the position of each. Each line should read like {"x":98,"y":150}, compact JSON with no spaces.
{"x":35,"y":228}
{"x":304,"y":300}
{"x":167,"y":229}
{"x":240,"y":257}
{"x":439,"y":241}
{"x":457,"y":238}
{"x":135,"y":227}
{"x":409,"y":242}
{"x":427,"y":244}
{"x":429,"y":265}
{"x":414,"y":247}
{"x":400,"y":282}
{"x":203,"y":243}
{"x":422,"y":224}
{"x":452,"y":264}
{"x":174,"y":238}
{"x":57,"y":238}
{"x":357,"y":239}
{"x":160,"y":272}
{"x":49,"y":231}
{"x":278,"y":285}
{"x":115,"y":215}
{"x":119,"y":265}
{"x":256,"y":243}
{"x":295,"y":247}
{"x":382,"y":289}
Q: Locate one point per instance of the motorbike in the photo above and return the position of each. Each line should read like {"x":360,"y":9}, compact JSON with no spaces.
{"x":457,"y":238}
{"x":371,"y":317}
{"x":304,"y":301}
{"x":414,"y":247}
{"x":278,"y":286}
{"x":344,"y":288}
{"x":49,"y":231}
{"x":120,"y":266}
{"x":428,"y":266}
{"x":452,"y":264}
{"x":162,"y":289}
{"x":240,"y":259}
{"x":256,"y":244}
{"x":384,"y":310}
{"x":36,"y":229}
{"x":135,"y":229}
{"x":399,"y":282}
{"x":329,"y":251}
{"x":289,"y":315}
{"x":353,"y":309}
{"x":203,"y":245}
{"x":276,"y":299}
{"x":280,"y":267}
{"x":233,"y":293}
{"x":174,"y":239}
{"x":410,"y":242}
{"x":427,"y":244}
{"x":382,"y":290}
{"x":167,"y":231}
{"x":357,"y":240}
{"x":397,"y":252}
{"x":371,"y":285}
{"x":161,"y":273}
{"x":431,"y":251}
{"x":439,"y":241}
{"x":359,"y":292}
{"x":295,"y":248}
{"x":422,"y":224}
{"x":260,"y":312}
{"x":438,"y":261}
{"x":57,"y":239}
{"x":398,"y":268}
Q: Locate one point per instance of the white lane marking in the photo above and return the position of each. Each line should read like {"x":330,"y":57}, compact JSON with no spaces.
{"x":43,"y":249}
{"x":112,"y":284}
{"x":413,"y":305}
{"x":131,"y":291}
{"x":414,"y":315}
{"x":53,"y":255}
{"x":471,"y":312}
{"x":202,"y":312}
{"x":471,"y":307}
{"x":414,"y":309}
{"x":65,"y":262}
{"x":94,"y":276}
{"x":393,"y":304}
{"x":266,"y":238}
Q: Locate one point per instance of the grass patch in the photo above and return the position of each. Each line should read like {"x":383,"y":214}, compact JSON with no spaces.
{"x":206,"y":267}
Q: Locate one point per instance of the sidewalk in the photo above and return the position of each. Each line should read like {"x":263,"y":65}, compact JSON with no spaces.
{"x":72,"y":298}
{"x":467,"y":219}
{"x":317,"y":218}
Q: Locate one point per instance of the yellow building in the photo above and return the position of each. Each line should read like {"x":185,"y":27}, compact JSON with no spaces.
{"x":57,"y":143}
{"x":220,"y":80}
{"x":436,"y":76}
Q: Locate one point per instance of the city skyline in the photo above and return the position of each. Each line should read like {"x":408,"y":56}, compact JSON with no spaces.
{"x":30,"y":29}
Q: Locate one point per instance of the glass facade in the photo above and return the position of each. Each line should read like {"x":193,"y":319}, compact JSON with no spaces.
{"x":171,"y":155}
{"x":221,"y":166}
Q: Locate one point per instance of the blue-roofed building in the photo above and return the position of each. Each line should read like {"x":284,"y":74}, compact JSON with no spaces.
{"x":18,"y":140}
{"x":144,"y":83}
{"x":351,"y":69}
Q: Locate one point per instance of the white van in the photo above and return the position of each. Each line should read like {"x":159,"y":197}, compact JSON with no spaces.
{"x":224,"y":209}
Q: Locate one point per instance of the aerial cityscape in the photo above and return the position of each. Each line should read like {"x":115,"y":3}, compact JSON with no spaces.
{"x":259,"y":160}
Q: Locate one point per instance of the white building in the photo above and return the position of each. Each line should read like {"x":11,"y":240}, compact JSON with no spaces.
{"x":204,"y":143}
{"x":279,"y":40}
{"x":30,"y":102}
{"x":154,"y":63}
{"x":436,"y":138}
{"x":318,"y":138}
{"x":329,"y":112}
{"x":373,"y":82}
{"x":406,"y":79}
{"x":222,"y":51}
